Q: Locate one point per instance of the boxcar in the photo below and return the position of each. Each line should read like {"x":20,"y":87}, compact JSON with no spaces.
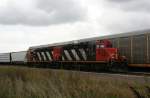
{"x":135,"y":46}
{"x":5,"y":58}
{"x":18,"y":57}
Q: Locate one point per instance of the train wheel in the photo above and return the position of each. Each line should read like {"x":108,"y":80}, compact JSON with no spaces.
{"x":118,"y":67}
{"x":112,"y":66}
{"x":124,"y":66}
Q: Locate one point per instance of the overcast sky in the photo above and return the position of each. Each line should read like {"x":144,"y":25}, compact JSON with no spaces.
{"x":25,"y":23}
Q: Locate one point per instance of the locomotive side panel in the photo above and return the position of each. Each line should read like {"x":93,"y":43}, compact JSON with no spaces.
{"x":69,"y":53}
{"x":43,"y":55}
{"x":84,"y":51}
{"x":92,"y":51}
{"x":78,"y":52}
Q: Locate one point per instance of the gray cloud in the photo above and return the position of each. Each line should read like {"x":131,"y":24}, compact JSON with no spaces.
{"x":125,"y":15}
{"x":45,"y":12}
{"x":62,"y":10}
{"x":71,"y":19}
{"x":120,"y":1}
{"x":131,"y":5}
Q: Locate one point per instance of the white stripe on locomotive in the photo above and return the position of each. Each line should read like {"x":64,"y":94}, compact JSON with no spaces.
{"x":82,"y":51}
{"x":44,"y":57}
{"x":49,"y":56}
{"x":39,"y":56}
{"x":75,"y":54}
{"x":67,"y":55}
{"x":63,"y":58}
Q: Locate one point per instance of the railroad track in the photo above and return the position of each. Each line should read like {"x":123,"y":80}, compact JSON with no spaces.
{"x":139,"y":77}
{"x":124,"y":74}
{"x":147,"y":74}
{"x":139,"y":73}
{"x":130,"y":73}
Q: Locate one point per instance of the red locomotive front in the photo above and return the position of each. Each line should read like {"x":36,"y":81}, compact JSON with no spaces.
{"x":105,"y":52}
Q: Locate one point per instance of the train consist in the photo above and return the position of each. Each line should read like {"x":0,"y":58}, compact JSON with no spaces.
{"x":117,"y":51}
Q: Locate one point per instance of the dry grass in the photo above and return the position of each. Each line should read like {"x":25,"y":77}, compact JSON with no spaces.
{"x":20,"y":82}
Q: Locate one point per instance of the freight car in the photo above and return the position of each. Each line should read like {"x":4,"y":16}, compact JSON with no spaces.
{"x":5,"y":58}
{"x":18,"y":57}
{"x":13,"y":58}
{"x":135,"y":46}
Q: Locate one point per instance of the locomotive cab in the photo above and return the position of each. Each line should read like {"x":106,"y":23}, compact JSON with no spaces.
{"x":106,"y":53}
{"x":103,"y":44}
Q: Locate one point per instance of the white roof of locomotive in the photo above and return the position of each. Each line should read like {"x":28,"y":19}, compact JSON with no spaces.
{"x":133,"y":33}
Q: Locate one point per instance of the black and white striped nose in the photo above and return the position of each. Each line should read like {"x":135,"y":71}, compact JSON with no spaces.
{"x":67,"y":55}
{"x":74,"y":55}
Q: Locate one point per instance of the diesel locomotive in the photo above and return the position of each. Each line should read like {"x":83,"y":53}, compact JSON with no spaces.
{"x":96,"y":54}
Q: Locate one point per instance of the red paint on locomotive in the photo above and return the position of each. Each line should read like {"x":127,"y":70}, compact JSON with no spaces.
{"x":105,"y":51}
{"x":57,"y":53}
{"x":105,"y":54}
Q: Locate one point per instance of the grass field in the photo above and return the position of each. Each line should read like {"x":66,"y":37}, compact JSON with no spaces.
{"x":22,"y":82}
